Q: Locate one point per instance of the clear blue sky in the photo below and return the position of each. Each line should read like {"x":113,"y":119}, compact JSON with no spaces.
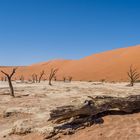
{"x":39,"y":30}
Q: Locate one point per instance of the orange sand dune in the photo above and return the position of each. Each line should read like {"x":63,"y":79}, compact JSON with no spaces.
{"x":111,"y":66}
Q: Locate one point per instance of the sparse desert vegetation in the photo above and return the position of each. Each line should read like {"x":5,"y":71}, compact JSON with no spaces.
{"x":9,"y":78}
{"x":133,"y":75}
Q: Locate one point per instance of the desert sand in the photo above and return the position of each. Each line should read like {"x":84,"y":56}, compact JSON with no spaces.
{"x":30,"y":110}
{"x":110,"y":66}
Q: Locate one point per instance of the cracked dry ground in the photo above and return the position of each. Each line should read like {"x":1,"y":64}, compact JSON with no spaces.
{"x":30,"y":110}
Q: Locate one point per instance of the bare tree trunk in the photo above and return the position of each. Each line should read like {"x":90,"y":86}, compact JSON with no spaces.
{"x":64,"y":79}
{"x":11,"y":87}
{"x":52,"y":75}
{"x":55,"y":79}
{"x":133,"y":75}
{"x":50,"y":82}
{"x":70,"y":78}
{"x":132,"y":83}
{"x":9,"y":78}
{"x":41,"y":75}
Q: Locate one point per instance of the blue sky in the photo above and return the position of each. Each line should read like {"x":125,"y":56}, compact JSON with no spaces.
{"x":39,"y":30}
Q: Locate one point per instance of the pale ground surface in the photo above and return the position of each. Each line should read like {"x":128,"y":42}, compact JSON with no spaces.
{"x":34,"y":101}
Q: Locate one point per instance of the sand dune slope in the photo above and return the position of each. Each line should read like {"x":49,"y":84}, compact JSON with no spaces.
{"x":111,"y":66}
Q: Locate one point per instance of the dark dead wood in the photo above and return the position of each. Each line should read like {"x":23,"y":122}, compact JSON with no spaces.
{"x":41,"y":75}
{"x":9,"y":78}
{"x":52,"y":75}
{"x":94,"y":106}
{"x":133,"y":75}
{"x":68,"y":119}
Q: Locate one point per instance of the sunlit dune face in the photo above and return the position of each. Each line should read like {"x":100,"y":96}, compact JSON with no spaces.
{"x":110,"y":66}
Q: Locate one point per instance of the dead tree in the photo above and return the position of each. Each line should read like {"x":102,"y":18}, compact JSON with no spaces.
{"x":41,"y":75}
{"x":133,"y":75}
{"x":64,"y":79}
{"x":55,"y":78}
{"x":52,"y":75}
{"x":94,"y":105}
{"x":70,"y":78}
{"x":9,"y":78}
{"x":73,"y":117}
{"x":67,"y":79}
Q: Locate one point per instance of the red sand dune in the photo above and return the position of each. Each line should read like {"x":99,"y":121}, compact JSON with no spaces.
{"x":111,"y":66}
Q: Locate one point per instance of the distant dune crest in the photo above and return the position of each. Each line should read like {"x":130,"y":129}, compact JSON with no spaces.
{"x":110,"y":66}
